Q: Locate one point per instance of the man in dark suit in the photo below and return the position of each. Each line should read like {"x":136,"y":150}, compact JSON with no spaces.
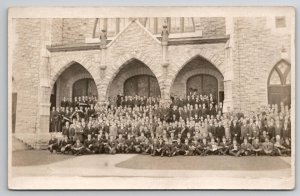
{"x":235,"y":131}
{"x":64,"y":102}
{"x":220,"y":131}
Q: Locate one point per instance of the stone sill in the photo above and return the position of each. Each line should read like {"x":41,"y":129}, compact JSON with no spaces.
{"x":172,"y":41}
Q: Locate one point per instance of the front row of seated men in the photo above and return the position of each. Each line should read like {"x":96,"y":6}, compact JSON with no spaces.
{"x":159,"y":147}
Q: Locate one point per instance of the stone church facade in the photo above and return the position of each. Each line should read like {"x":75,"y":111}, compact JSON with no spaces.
{"x":244,"y":62}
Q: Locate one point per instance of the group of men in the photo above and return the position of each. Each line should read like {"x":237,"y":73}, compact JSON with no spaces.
{"x":195,"y":125}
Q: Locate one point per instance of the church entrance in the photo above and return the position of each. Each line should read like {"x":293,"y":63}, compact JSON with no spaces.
{"x":75,"y":81}
{"x":134,"y":78}
{"x":84,"y":87}
{"x":202,"y":84}
{"x":142,"y":85}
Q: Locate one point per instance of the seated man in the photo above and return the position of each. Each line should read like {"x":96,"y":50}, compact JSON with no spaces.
{"x":287,"y":145}
{"x":146,"y":147}
{"x":185,"y":147}
{"x":234,"y":149}
{"x":177,"y":148}
{"x":213,"y":147}
{"x":121,"y":144}
{"x":167,"y":148}
{"x":246,"y":148}
{"x":129,"y":143}
{"x":65,"y":145}
{"x":77,"y":148}
{"x":223,"y":147}
{"x":278,"y":147}
{"x":157,"y":147}
{"x":112,"y":145}
{"x":136,"y":145}
{"x":256,"y":146}
{"x":89,"y":145}
{"x":203,"y":148}
{"x":268,"y":147}
{"x":193,"y":146}
{"x":98,"y":145}
{"x":53,"y":144}
{"x":105,"y":145}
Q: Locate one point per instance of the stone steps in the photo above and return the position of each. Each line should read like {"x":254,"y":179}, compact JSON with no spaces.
{"x":35,"y":141}
{"x":18,"y":144}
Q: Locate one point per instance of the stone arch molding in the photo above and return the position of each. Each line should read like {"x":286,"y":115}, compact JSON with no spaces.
{"x":129,"y":74}
{"x":214,"y":59}
{"x":66,"y":62}
{"x":124,"y":60}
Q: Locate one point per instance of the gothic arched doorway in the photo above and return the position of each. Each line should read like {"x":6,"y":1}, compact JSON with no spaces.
{"x":84,"y":87}
{"x":279,"y":84}
{"x":73,"y":82}
{"x":202,"y":84}
{"x":142,"y":85}
{"x":134,"y":78}
{"x":200,"y":76}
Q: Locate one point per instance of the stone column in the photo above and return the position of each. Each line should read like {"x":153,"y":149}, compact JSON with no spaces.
{"x":229,"y":75}
{"x":42,"y":135}
{"x":101,"y":59}
{"x":165,"y":95}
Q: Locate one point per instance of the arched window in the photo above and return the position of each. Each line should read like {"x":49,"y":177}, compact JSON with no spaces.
{"x":279,"y":83}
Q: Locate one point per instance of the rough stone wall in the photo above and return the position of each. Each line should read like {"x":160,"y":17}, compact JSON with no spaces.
{"x":211,"y":26}
{"x":75,"y":30}
{"x":26,"y":60}
{"x":57,"y":31}
{"x":256,"y":50}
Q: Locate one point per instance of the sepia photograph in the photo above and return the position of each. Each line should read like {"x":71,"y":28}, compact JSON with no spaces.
{"x":111,"y":98}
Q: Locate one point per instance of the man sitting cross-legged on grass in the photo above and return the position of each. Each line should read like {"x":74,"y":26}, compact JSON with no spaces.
{"x":268,"y":147}
{"x":234,"y":148}
{"x":65,"y":145}
{"x":167,"y":148}
{"x":98,"y":144}
{"x":256,"y":147}
{"x":223,"y":146}
{"x":177,"y":148}
{"x":287,"y":145}
{"x":105,"y":141}
{"x":136,"y":145}
{"x":158,"y":146}
{"x":53,"y":144}
{"x":112,"y":145}
{"x":89,"y":145}
{"x":77,"y":148}
{"x":278,"y":147}
{"x":146,"y":147}
{"x":246,"y":148}
{"x":204,"y":147}
{"x":194,"y":147}
{"x":121,"y":144}
{"x":213,"y":147}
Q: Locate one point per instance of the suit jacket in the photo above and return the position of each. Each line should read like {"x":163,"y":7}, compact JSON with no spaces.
{"x":220,"y":132}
